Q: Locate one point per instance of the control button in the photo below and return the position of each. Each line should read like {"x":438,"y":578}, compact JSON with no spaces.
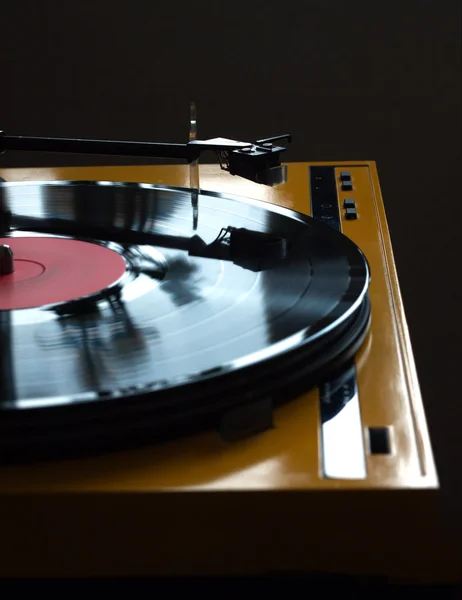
{"x":345,"y":176}
{"x":351,"y":213}
{"x":379,"y":440}
{"x":347,"y":186}
{"x":349,"y":203}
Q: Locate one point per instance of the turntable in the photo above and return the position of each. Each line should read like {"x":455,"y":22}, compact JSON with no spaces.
{"x":207,"y":376}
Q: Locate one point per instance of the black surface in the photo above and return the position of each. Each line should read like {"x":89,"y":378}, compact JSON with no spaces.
{"x":379,"y":440}
{"x":349,"y":588}
{"x":324,"y":200}
{"x":350,"y":80}
{"x":153,"y":353}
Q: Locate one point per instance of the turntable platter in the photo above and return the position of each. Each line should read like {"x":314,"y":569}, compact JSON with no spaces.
{"x":171,"y":336}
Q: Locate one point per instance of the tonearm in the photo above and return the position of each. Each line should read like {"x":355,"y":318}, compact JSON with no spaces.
{"x":258,"y":161}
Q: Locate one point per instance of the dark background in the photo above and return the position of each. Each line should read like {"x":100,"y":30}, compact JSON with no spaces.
{"x":351,"y":80}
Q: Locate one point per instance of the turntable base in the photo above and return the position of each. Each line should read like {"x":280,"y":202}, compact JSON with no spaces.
{"x":359,"y":499}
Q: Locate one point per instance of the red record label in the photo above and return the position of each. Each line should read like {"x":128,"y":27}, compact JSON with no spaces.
{"x":53,"y":270}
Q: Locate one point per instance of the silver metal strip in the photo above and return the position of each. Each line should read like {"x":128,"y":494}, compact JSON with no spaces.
{"x":343,"y":453}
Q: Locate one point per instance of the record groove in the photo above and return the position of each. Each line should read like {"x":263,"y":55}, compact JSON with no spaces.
{"x":182,"y":338}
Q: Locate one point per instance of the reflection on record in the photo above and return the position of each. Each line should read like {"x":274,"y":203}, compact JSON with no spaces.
{"x":180,"y":328}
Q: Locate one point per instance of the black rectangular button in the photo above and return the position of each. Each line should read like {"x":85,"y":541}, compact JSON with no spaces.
{"x":347,"y":186}
{"x":345,"y":176}
{"x":349,"y":203}
{"x":379,"y":440}
{"x":350,"y":213}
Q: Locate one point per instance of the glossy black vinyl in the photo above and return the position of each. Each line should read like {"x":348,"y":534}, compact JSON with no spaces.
{"x":184,"y":339}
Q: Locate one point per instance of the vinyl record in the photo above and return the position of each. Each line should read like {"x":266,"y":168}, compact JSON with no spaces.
{"x":108,"y":337}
